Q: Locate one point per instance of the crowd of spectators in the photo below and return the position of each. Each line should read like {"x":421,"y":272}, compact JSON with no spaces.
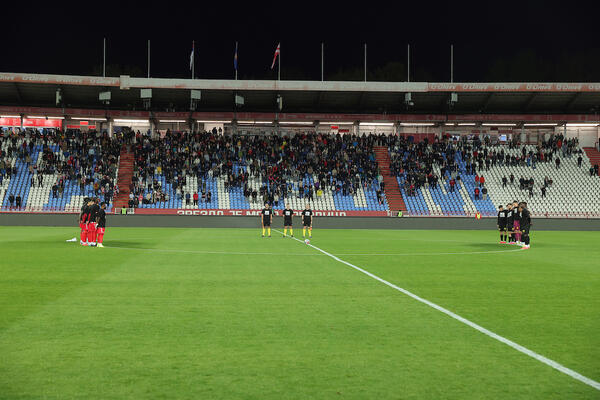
{"x":65,"y":157}
{"x":414,"y":162}
{"x":305,"y":164}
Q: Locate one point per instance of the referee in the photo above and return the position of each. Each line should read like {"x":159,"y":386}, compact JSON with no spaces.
{"x":266,"y":216}
{"x":307,"y":220}
{"x":288,"y":215}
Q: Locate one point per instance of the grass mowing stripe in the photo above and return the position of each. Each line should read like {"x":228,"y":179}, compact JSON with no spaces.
{"x":237,"y":253}
{"x":559,"y":367}
{"x":428,"y":254}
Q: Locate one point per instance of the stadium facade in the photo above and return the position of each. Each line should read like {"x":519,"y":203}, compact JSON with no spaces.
{"x":530,"y":113}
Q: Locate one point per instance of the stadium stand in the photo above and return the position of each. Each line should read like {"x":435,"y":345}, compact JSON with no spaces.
{"x":450,"y":178}
{"x":244,"y":172}
{"x":55,"y":171}
{"x":550,"y":188}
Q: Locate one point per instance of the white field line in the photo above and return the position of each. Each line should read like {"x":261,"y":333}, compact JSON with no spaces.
{"x":304,"y":254}
{"x":211,"y":252}
{"x":516,"y":346}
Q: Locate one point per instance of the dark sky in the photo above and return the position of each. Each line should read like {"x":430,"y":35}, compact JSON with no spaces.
{"x":519,"y":41}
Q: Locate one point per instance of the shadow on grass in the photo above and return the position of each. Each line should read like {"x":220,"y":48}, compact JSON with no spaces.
{"x":498,"y":246}
{"x":128,"y":244}
{"x":490,"y":246}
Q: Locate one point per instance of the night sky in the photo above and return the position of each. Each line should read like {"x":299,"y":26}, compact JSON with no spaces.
{"x":520,"y":41}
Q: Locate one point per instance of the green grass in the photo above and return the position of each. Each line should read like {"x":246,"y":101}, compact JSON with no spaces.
{"x":193,"y":322}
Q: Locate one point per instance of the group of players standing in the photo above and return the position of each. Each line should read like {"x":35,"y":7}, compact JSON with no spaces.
{"x":514,"y":224}
{"x":92,"y":222}
{"x":266,"y":218}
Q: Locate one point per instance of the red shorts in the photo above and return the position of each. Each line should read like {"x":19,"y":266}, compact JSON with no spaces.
{"x":82,"y":226}
{"x":100,"y":230}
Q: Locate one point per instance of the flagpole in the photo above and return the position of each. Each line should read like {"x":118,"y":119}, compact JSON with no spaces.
{"x":148,"y":58}
{"x":322,"y":56}
{"x":104,"y":58}
{"x":236,"y":60}
{"x":365,"y":62}
{"x":279,"y":64}
{"x":193,"y":58}
{"x":408,"y":63}
{"x":452,"y":63}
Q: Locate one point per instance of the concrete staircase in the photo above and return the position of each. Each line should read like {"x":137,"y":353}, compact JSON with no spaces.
{"x":124,"y":180}
{"x":593,"y":155}
{"x":392,"y":190}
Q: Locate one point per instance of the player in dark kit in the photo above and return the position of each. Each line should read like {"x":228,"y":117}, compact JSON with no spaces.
{"x":288,"y":215}
{"x":307,"y":219}
{"x":83,"y":220}
{"x":502,"y":220}
{"x":509,"y":224}
{"x":516,"y":223}
{"x":101,"y":221}
{"x":525,"y":219}
{"x":266,"y":217}
{"x":94,"y":209}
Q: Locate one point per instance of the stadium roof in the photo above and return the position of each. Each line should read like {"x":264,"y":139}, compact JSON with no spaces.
{"x":81,"y":92}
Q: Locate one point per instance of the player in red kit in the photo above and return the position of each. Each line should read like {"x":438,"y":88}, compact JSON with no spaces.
{"x":83,"y":218}
{"x":101,"y":221}
{"x":94,"y":209}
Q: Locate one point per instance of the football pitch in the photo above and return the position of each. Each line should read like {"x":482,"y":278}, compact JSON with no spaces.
{"x":226,"y":314}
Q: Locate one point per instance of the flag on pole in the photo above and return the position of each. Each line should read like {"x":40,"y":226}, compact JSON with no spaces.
{"x":235,"y":57}
{"x":192,"y":56}
{"x":277,"y":51}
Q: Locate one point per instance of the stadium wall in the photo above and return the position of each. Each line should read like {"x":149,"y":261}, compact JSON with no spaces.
{"x":588,"y":136}
{"x":173,"y":221}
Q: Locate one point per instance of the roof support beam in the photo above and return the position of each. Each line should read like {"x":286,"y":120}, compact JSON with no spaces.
{"x":572,"y":101}
{"x":361,"y":101}
{"x":530,"y":101}
{"x":319,"y":99}
{"x":18,"y":92}
{"x":487,"y":102}
{"x":63,"y":94}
